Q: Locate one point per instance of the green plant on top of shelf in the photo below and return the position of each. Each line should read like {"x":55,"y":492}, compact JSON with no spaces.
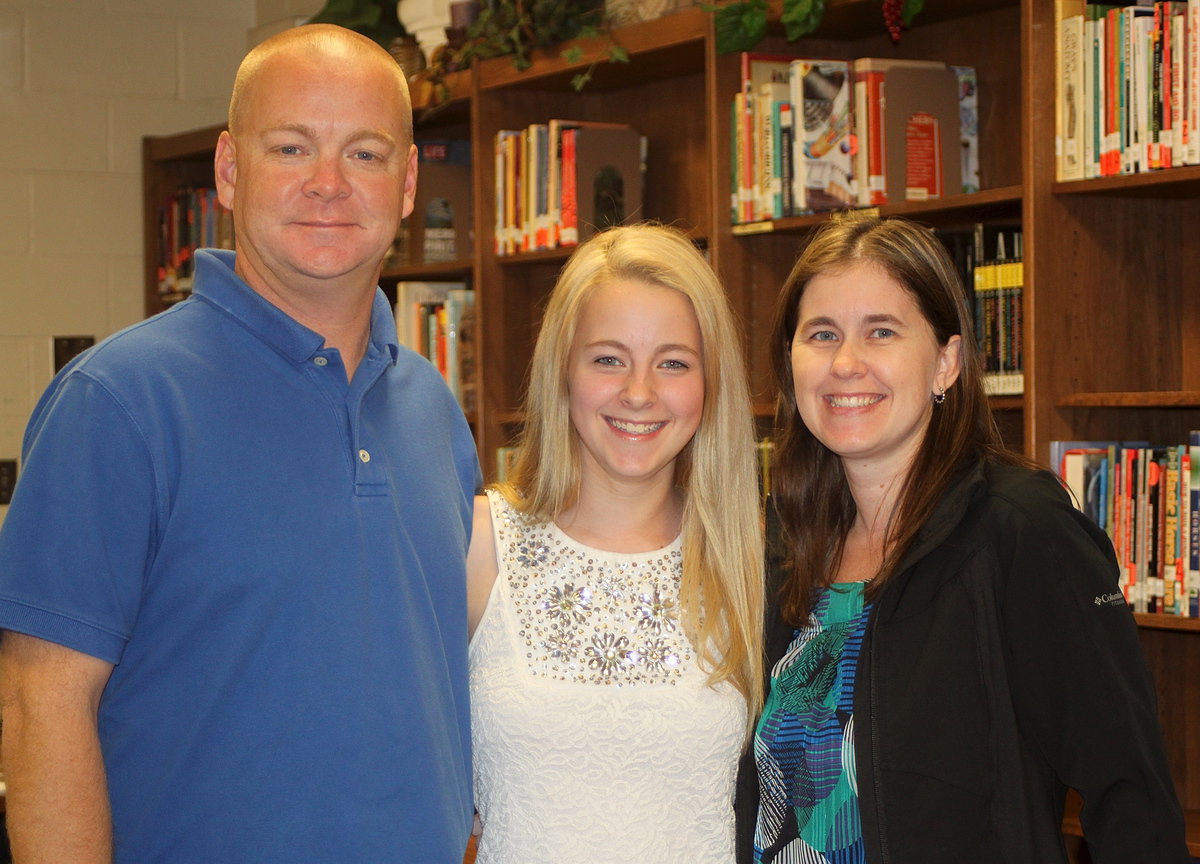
{"x":513,"y":28}
{"x":375,"y":19}
{"x":742,"y":25}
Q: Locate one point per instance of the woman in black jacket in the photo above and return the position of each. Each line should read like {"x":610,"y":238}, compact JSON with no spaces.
{"x":948,"y":646}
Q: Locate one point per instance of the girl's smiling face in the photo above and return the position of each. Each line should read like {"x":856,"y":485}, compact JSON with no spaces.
{"x":636,"y":381}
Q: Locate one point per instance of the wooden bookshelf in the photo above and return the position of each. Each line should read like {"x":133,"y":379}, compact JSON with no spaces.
{"x":1111,"y":297}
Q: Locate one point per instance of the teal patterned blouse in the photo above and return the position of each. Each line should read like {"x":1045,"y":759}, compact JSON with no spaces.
{"x":804,"y":744}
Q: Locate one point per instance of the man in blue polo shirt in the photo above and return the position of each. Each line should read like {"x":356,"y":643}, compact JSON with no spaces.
{"x":232,"y":584}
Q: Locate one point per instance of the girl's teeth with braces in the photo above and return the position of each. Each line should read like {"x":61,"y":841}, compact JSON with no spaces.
{"x":636,"y":428}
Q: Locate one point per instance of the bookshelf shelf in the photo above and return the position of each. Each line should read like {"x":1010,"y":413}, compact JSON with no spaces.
{"x":1169,"y":183}
{"x":1002,"y":203}
{"x":559,"y":255}
{"x":444,"y":270}
{"x":1167,"y":622}
{"x":1132,"y":399}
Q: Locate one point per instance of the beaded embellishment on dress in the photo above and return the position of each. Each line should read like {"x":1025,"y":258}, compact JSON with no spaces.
{"x":616,"y":622}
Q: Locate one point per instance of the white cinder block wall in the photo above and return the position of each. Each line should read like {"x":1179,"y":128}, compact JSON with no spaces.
{"x":81,"y":81}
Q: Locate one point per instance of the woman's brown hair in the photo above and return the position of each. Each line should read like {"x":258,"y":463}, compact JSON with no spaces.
{"x":808,"y":485}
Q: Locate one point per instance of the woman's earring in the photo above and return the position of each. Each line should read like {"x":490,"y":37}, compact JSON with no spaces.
{"x":940,"y":396}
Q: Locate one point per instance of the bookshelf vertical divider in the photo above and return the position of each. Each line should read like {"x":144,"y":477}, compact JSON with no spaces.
{"x":1111,"y":302}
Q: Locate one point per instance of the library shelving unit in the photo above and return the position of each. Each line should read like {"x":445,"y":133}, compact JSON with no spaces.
{"x":1111,"y":297}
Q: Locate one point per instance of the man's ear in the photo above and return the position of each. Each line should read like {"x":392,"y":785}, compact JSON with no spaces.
{"x":225,"y":169}
{"x":410,"y":182}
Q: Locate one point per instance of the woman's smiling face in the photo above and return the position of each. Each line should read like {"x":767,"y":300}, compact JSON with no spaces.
{"x":866,"y":365}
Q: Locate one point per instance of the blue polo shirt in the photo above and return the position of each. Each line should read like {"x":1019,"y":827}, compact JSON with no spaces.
{"x":273,"y":557}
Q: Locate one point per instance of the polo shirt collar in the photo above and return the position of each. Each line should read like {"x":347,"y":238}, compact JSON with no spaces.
{"x":218,"y":284}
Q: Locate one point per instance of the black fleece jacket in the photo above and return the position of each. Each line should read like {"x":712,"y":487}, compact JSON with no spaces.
{"x":1001,"y":665}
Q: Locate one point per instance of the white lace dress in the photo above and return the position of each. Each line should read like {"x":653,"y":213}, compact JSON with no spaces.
{"x":595,"y":736}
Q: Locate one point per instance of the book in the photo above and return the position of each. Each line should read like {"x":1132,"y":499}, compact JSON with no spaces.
{"x":557,"y":129}
{"x":459,"y":337}
{"x":1069,"y":64}
{"x":1137,"y":26}
{"x":757,"y":69}
{"x":509,"y":153}
{"x":1170,"y":570}
{"x":1095,"y":93}
{"x":1192,"y":579}
{"x":1191,"y":90}
{"x":823,"y":176}
{"x":772,"y":96}
{"x":607,"y":177}
{"x":1114,"y":94}
{"x":440,"y":228}
{"x":998,"y":283}
{"x":414,"y":303}
{"x":908,"y":127}
{"x":787,"y":164}
{"x":921,"y":119}
{"x":968,"y":109}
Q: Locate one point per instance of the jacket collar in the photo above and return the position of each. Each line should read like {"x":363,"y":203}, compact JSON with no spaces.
{"x":968,"y":483}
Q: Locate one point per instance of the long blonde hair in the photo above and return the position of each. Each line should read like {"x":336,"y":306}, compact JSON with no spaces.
{"x":721,"y":594}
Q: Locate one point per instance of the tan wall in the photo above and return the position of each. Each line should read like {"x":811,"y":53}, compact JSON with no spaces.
{"x":81,"y":81}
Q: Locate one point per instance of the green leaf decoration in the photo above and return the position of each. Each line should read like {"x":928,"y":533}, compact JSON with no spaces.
{"x":580,"y":81}
{"x":574,"y":54}
{"x":911,"y":8}
{"x":617,"y":54}
{"x":740,"y":26}
{"x":375,"y":19}
{"x":801,"y":17}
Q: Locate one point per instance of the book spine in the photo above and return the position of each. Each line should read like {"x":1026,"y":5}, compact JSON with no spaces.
{"x":1070,"y":123}
{"x":1170,"y":533}
{"x":570,"y":190}
{"x":876,"y":146}
{"x":1193,"y":571}
{"x":1191,"y":123}
{"x":787,"y":142}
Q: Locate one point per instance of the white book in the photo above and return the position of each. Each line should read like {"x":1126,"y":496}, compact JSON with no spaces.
{"x":1071,"y":101}
{"x":1191,"y":90}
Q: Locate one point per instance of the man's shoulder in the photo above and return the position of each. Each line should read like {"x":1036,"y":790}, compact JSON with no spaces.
{"x":157,"y":344}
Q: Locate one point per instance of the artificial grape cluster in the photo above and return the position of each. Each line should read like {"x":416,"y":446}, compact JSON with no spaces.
{"x":893,"y":16}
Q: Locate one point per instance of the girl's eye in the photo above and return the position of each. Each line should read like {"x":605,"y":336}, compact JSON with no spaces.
{"x":883,"y":333}
{"x":675,"y":364}
{"x":607,"y":360}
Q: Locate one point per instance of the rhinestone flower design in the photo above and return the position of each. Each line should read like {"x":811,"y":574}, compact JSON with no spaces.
{"x":608,"y":652}
{"x":659,"y":657}
{"x":566,"y":604}
{"x":588,"y":616}
{"x":656,"y":613}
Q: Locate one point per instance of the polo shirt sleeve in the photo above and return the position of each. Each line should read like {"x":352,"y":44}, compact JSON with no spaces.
{"x":78,"y":538}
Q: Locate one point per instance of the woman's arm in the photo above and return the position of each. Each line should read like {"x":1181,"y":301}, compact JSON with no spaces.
{"x":1080,"y":683}
{"x":481,"y":562}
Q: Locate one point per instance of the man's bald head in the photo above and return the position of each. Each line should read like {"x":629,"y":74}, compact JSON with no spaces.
{"x":327,"y":41}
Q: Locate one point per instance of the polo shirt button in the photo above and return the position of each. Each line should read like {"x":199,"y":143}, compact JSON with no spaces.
{"x":364,"y":456}
{"x":320,"y":361}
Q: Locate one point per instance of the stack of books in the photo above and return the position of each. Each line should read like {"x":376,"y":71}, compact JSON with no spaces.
{"x":559,"y":182}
